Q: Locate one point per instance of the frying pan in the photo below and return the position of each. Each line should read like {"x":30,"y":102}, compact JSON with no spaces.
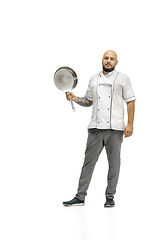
{"x":66,"y":80}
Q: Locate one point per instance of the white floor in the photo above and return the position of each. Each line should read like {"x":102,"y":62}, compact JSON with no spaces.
{"x":50,"y":220}
{"x":126,"y":221}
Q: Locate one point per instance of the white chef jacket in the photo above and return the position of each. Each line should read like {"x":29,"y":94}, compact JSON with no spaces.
{"x":108,"y":93}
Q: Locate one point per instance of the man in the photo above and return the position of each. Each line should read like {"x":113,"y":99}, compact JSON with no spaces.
{"x":106,"y":92}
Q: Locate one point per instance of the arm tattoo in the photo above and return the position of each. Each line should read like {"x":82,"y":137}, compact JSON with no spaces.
{"x":83,"y":102}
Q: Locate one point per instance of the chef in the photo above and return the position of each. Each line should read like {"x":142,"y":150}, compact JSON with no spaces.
{"x":107,"y":91}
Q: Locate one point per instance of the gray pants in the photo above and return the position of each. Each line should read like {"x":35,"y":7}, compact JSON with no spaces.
{"x":97,"y":139}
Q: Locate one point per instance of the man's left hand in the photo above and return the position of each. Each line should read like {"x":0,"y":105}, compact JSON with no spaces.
{"x":128,"y":131}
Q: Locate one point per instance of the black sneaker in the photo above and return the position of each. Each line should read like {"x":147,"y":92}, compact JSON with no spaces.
{"x":109,"y":203}
{"x":74,"y":202}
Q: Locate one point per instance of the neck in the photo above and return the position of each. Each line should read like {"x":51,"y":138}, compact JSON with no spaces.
{"x":105,"y":73}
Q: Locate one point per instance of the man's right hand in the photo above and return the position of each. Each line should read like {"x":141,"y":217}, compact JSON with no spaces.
{"x":70,"y":95}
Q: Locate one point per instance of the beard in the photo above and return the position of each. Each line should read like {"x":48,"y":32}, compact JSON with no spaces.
{"x":108,"y":69}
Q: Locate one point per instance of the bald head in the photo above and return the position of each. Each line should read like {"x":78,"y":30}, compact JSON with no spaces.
{"x":110,"y":53}
{"x":109,"y":61}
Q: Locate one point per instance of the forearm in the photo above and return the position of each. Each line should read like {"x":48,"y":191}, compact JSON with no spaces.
{"x":83,"y":101}
{"x":131,"y":110}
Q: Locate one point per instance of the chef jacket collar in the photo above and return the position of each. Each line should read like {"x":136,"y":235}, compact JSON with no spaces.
{"x":108,"y":75}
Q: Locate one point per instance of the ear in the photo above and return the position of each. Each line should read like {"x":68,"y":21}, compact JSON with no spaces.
{"x":117,"y":62}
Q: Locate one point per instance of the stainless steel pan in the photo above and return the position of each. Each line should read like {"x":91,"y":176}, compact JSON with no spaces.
{"x":65,"y":79}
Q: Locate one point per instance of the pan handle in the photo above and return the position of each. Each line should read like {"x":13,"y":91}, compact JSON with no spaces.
{"x":73,"y":107}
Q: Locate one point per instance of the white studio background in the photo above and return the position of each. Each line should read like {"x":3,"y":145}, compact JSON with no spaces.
{"x":42,"y":142}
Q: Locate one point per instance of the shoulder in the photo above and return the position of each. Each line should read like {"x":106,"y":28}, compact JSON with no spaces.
{"x":94,"y":78}
{"x":123,"y":75}
{"x":123,"y":78}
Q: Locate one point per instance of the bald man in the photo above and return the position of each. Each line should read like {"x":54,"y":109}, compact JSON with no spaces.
{"x":107,"y":91}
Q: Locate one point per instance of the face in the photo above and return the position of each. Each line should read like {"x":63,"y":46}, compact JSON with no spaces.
{"x":109,"y":61}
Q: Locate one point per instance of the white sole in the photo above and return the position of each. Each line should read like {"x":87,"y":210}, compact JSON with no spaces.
{"x":109,"y":205}
{"x":72,"y":205}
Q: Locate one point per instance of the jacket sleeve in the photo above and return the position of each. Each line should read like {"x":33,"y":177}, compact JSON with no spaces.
{"x":128,"y":93}
{"x":88,"y":94}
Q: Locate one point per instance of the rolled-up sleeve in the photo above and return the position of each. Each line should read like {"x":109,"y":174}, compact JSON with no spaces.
{"x":128,"y":93}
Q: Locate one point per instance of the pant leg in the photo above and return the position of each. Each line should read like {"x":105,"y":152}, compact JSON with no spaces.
{"x":93,"y":149}
{"x":113,"y":149}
